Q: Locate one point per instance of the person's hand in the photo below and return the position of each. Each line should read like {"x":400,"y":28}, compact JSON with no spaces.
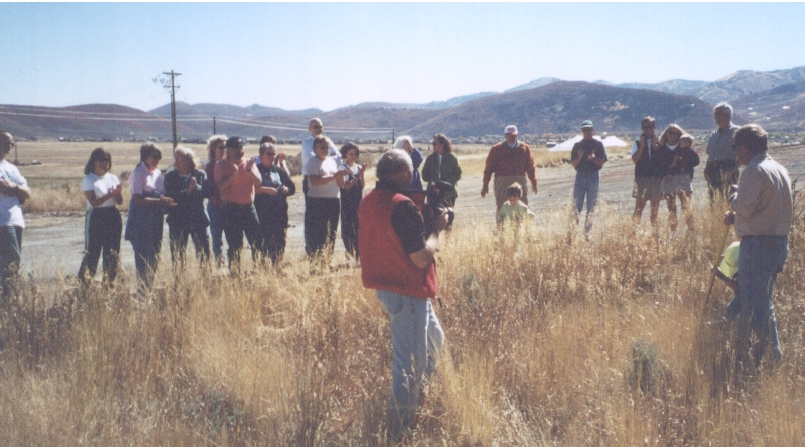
{"x":7,"y":186}
{"x":279,"y":158}
{"x":117,"y":191}
{"x":361,"y":170}
{"x":192,"y":184}
{"x":729,"y":218}
{"x":342,"y":173}
{"x":250,"y":164}
{"x":167,"y":201}
{"x":534,"y":188}
{"x":271,"y":191}
{"x":441,"y":221}
{"x":284,"y":190}
{"x":714,"y":270}
{"x":591,"y":157}
{"x":484,"y":190}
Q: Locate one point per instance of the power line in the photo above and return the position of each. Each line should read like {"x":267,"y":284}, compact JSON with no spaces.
{"x":281,"y":127}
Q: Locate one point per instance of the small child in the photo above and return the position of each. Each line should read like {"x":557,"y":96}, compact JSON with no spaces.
{"x":514,"y":210}
{"x":727,"y":271}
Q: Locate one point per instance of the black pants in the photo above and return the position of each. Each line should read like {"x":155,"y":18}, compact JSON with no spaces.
{"x":102,"y":230}
{"x":240,"y":219}
{"x":272,"y":242}
{"x":321,"y":224}
{"x":178,"y":243}
{"x":349,"y":221}
{"x":719,"y":178}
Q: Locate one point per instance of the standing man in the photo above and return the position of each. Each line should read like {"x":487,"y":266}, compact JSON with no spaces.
{"x":316,"y":129}
{"x":587,"y":157}
{"x":648,"y":170}
{"x":397,"y":257}
{"x":721,"y":170}
{"x":511,"y":161}
{"x":763,"y":215}
{"x":237,"y":179}
{"x":13,"y":190}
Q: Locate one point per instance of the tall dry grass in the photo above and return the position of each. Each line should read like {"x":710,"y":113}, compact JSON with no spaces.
{"x":551,"y":340}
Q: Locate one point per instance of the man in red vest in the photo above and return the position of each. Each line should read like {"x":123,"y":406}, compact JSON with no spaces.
{"x":397,"y":261}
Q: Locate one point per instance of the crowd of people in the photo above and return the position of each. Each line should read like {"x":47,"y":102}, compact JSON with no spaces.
{"x":392,"y":232}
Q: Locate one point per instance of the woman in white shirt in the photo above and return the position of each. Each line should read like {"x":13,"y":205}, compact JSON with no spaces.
{"x":323,"y":206}
{"x":103,"y":225}
{"x":351,"y":195}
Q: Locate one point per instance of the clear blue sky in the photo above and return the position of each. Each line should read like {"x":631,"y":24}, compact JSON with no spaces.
{"x":329,"y":55}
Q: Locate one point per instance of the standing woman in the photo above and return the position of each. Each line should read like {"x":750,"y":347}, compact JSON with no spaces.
{"x":103,"y":225}
{"x":187,"y":186}
{"x":677,"y":173}
{"x":324,"y":204}
{"x":407,"y":144}
{"x":146,"y":213}
{"x":216,"y":150}
{"x":351,"y":195}
{"x":271,"y":203}
{"x":442,"y":165}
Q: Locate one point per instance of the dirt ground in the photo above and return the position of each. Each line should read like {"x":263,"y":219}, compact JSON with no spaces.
{"x":53,"y":245}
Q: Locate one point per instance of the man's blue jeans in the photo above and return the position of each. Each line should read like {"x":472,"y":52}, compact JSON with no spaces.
{"x":760,"y":260}
{"x":417,"y":340}
{"x":586,"y":185}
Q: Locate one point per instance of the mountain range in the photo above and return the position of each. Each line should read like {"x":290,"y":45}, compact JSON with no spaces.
{"x":775,"y":99}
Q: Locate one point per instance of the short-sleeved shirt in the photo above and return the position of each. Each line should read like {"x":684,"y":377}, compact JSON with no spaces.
{"x":100,"y":185}
{"x":308,"y":153}
{"x":241,"y":190}
{"x":588,"y":147}
{"x":719,"y":146}
{"x":323,"y":168}
{"x":144,"y":181}
{"x":515,"y":213}
{"x":10,"y":210}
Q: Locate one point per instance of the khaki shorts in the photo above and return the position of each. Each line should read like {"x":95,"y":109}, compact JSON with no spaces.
{"x":649,"y":188}
{"x":678,"y":183}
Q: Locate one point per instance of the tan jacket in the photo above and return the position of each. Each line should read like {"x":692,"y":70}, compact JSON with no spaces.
{"x":763,"y":204}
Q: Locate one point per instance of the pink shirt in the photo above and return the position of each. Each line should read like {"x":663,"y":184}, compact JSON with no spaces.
{"x":241,"y":190}
{"x":144,"y":181}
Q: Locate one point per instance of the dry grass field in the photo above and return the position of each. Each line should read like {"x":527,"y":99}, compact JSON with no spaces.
{"x":550,"y":340}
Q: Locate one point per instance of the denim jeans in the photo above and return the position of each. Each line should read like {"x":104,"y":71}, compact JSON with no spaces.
{"x":417,"y":340}
{"x":239,"y":220}
{"x":10,"y":254}
{"x":760,"y":260}
{"x":586,"y":184}
{"x":215,"y":213}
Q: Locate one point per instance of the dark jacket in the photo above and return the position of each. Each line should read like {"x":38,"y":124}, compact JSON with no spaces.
{"x":450,"y":172}
{"x":273,"y":209}
{"x":654,"y":162}
{"x":688,"y":159}
{"x":188,"y":214}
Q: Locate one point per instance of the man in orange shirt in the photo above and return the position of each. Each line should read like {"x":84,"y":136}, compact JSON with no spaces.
{"x":511,"y":161}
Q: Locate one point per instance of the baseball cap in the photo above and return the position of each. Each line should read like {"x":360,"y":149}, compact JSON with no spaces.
{"x":510,"y":129}
{"x":586,"y":123}
{"x":729,"y":265}
{"x":235,"y":142}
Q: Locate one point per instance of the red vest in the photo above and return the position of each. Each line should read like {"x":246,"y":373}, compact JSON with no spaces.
{"x":384,"y":263}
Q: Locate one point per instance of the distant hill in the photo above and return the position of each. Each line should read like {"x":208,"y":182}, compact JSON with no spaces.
{"x":671,"y":86}
{"x":536,"y":83}
{"x":207,"y":109}
{"x":745,"y":82}
{"x":560,"y":107}
{"x":779,"y":109}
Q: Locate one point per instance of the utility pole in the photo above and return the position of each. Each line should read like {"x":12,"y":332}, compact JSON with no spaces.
{"x":213,"y":127}
{"x":172,"y":87}
{"x":16,"y":161}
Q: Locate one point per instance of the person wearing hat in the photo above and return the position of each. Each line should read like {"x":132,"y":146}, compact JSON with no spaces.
{"x":237,"y":179}
{"x":587,"y":157}
{"x":511,"y":161}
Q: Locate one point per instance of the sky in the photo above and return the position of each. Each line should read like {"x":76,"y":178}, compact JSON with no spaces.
{"x":329,"y":55}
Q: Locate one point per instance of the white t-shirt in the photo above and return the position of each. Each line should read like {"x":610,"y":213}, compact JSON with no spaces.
{"x":326,"y":167}
{"x":10,"y":211}
{"x":308,"y":153}
{"x":101,"y":185}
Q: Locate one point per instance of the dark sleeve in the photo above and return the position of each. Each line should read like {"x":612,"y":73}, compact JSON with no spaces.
{"x":173,"y":186}
{"x":409,"y":226}
{"x":203,"y":183}
{"x":287,"y":182}
{"x":693,"y":158}
{"x":574,"y":151}
{"x":600,"y":152}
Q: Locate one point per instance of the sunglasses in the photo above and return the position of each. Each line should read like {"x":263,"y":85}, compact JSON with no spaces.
{"x":156,"y":157}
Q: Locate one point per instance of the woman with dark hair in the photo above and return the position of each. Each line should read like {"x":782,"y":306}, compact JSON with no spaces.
{"x":442,"y":165}
{"x":351,"y":195}
{"x":187,"y":186}
{"x":271,"y":203}
{"x":103,"y":225}
{"x":216,"y":150}
{"x":324,"y":204}
{"x":146,"y":214}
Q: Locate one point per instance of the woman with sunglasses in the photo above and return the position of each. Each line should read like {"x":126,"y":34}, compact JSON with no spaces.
{"x":103,"y":225}
{"x":146,"y":215}
{"x":270,"y":201}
